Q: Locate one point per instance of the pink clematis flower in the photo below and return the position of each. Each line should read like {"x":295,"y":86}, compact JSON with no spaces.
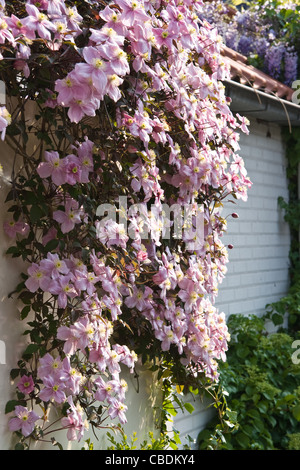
{"x":26,"y":384}
{"x":53,"y":266}
{"x":64,"y":289}
{"x":113,"y":19}
{"x":55,"y":7}
{"x":97,"y":68}
{"x":107,"y":34}
{"x":113,"y":303}
{"x":140,"y":299}
{"x":168,"y":338}
{"x":73,"y":19}
{"x":84,"y":331}
{"x":42,"y":4}
{"x":73,"y":170}
{"x":70,"y":88}
{"x":112,"y":88}
{"x":54,"y":166}
{"x":111,"y":233}
{"x":133,"y":12}
{"x":87,"y":281}
{"x":38,"y":279}
{"x":85,"y":156}
{"x":78,"y":108}
{"x":49,"y":365}
{"x":70,"y":217}
{"x":19,"y":28}
{"x":118,"y":410}
{"x":53,"y":390}
{"x":164,"y":37}
{"x":105,"y":390}
{"x":74,"y":422}
{"x":11,"y":228}
{"x":24,"y":421}
{"x":69,"y":336}
{"x":5,"y":33}
{"x":116,"y":57}
{"x":38,"y":22}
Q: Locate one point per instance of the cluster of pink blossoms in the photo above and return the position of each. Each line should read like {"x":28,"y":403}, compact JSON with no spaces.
{"x":68,"y":279}
{"x":157,"y":49}
{"x":72,"y":169}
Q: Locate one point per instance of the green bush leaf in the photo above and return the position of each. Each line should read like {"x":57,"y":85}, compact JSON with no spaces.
{"x":243,"y":440}
{"x":296,"y":412}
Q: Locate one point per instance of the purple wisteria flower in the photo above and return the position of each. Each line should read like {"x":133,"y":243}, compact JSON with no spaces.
{"x":245,"y":45}
{"x":290,"y":67}
{"x":274,"y":58}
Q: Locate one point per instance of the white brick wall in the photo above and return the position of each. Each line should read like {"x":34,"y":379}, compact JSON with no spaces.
{"x":259,"y":262}
{"x":189,"y":425}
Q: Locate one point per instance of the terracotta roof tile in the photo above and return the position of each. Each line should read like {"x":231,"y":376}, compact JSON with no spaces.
{"x":249,"y":75}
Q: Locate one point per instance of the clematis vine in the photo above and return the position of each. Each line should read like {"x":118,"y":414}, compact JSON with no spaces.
{"x":133,"y":149}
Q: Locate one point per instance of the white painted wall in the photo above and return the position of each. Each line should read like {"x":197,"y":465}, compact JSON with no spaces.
{"x":10,"y":327}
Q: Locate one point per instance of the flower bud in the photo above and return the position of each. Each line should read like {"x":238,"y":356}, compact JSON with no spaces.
{"x":235,"y":215}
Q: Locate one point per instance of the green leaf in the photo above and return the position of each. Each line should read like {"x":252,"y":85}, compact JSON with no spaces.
{"x":52,"y":245}
{"x":262,"y":407}
{"x":25,"y":311}
{"x":232,"y":415}
{"x":243,"y":440}
{"x":170,"y":409}
{"x":189,"y":407}
{"x":258,"y":425}
{"x":272,"y":420}
{"x":13,"y":250}
{"x":173,"y":445}
{"x":277,"y":319}
{"x":296,"y":412}
{"x":29,"y":198}
{"x":10,"y":406}
{"x":36,"y":213}
{"x":32,"y":348}
{"x":242,"y":351}
{"x":14,"y":373}
{"x":19,"y":446}
{"x":249,"y":390}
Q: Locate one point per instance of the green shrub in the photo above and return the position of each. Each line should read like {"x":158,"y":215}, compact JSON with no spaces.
{"x":262,"y":390}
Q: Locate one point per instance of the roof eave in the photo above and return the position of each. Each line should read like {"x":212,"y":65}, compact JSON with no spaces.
{"x":258,"y":104}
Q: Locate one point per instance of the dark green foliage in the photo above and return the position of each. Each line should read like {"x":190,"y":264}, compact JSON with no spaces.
{"x":263,"y":385}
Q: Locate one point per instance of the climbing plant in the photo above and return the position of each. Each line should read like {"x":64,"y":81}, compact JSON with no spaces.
{"x":124,"y":150}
